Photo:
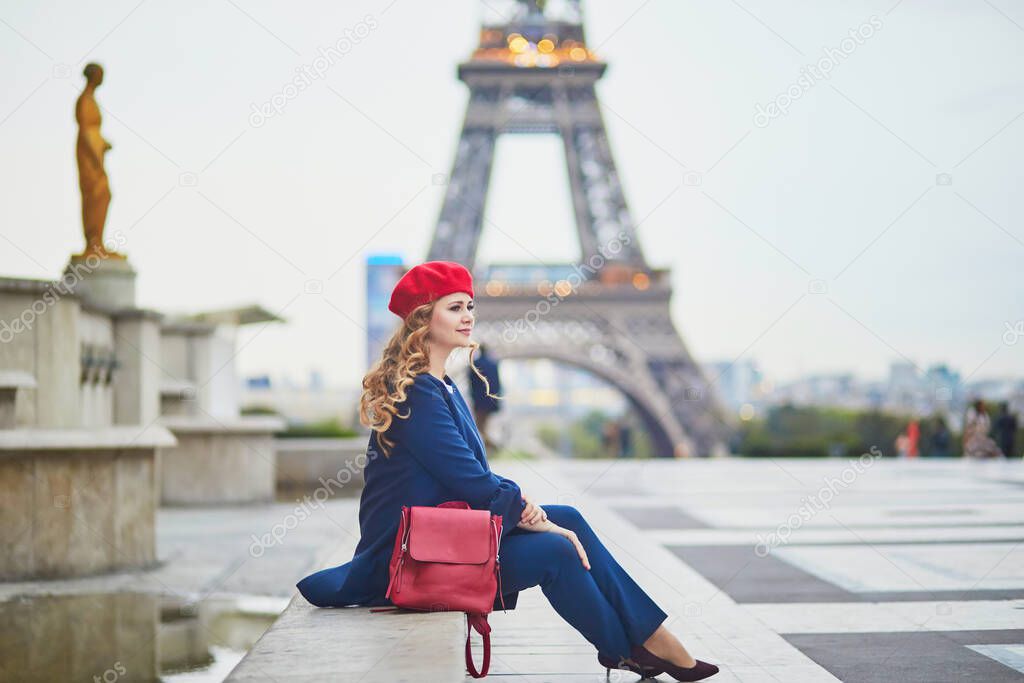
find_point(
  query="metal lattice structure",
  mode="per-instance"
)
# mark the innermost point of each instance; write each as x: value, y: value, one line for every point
x: 532, y: 73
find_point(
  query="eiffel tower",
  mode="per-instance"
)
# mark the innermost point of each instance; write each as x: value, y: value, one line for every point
x: 532, y: 73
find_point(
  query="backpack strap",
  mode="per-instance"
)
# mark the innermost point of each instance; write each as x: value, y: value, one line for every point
x: 479, y: 623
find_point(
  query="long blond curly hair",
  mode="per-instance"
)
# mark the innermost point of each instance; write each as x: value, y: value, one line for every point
x: 405, y: 355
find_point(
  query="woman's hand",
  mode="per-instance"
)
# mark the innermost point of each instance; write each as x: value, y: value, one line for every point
x: 548, y: 525
x: 532, y: 513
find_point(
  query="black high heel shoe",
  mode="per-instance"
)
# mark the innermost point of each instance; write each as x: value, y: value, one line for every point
x: 698, y: 672
x: 628, y: 665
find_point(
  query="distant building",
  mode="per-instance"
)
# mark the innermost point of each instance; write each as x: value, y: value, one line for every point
x: 906, y: 390
x: 546, y: 388
x: 532, y: 273
x: 383, y: 271
x: 257, y: 382
x: 943, y: 385
x: 841, y: 390
x: 906, y: 386
x: 738, y: 382
x: 313, y: 402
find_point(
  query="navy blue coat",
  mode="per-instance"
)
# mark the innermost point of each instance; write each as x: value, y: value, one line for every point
x: 438, y: 456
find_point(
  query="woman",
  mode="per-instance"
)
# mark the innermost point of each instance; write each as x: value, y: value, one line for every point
x: 424, y: 449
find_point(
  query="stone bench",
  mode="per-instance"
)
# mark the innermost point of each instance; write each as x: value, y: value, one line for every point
x: 349, y: 644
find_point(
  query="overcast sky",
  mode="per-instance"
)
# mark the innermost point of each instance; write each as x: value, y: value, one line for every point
x: 840, y: 191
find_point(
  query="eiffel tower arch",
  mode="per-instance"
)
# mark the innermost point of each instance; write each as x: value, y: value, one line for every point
x: 609, y: 314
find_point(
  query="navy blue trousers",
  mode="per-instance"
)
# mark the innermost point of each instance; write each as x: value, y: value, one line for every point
x: 604, y: 604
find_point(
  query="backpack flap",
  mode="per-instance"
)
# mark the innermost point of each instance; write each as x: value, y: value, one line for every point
x: 450, y: 535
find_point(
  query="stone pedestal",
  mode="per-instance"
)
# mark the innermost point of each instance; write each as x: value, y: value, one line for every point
x: 76, y: 502
x: 219, y: 461
x: 108, y: 282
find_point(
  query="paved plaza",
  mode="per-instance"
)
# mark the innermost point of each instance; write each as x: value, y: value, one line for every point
x: 798, y: 571
x: 776, y: 570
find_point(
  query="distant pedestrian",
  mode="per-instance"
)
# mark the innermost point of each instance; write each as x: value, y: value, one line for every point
x: 483, y: 405
x: 625, y: 439
x: 610, y: 438
x: 913, y: 437
x: 902, y: 445
x: 977, y: 442
x: 1006, y: 430
x: 941, y: 441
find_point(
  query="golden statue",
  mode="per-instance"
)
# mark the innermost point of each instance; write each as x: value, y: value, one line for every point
x: 92, y: 178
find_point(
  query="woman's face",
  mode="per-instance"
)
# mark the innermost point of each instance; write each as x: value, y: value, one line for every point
x: 452, y: 320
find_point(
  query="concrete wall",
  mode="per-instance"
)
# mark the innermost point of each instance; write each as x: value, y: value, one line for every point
x: 309, y: 463
x: 39, y: 334
x: 71, y: 512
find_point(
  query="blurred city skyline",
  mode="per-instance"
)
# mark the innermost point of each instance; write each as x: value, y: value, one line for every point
x: 877, y: 222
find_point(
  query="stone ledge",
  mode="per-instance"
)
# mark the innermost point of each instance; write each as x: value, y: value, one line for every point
x: 17, y: 379
x: 317, y: 443
x: 128, y: 437
x: 176, y: 387
x: 349, y: 644
x: 18, y: 285
x: 255, y: 424
x: 309, y: 644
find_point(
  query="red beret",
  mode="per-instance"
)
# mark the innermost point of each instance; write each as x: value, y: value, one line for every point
x: 426, y: 282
